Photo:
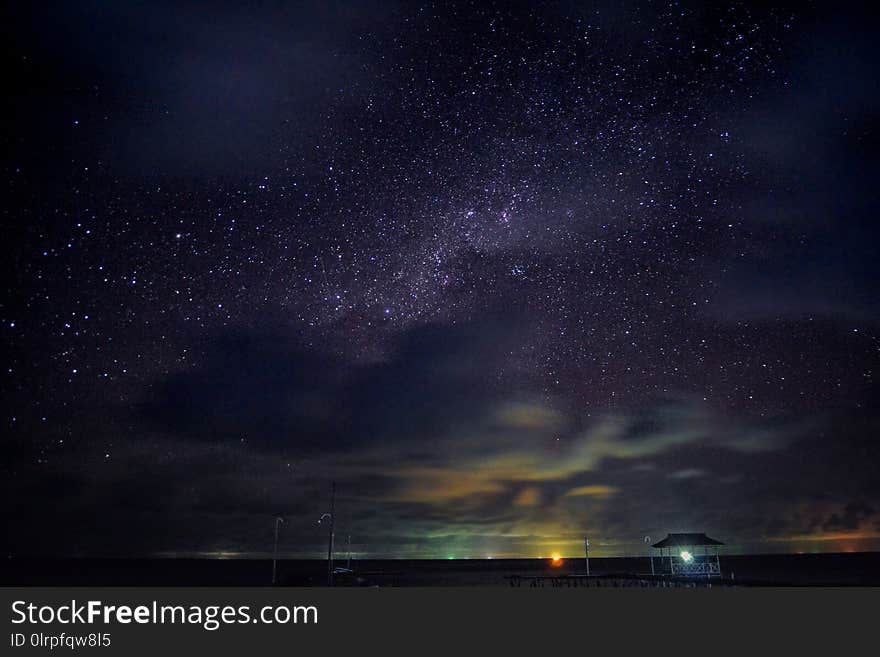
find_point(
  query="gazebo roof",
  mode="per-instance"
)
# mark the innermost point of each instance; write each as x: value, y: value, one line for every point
x: 686, y: 540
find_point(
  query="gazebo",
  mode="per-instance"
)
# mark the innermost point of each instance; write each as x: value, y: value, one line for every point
x: 685, y: 558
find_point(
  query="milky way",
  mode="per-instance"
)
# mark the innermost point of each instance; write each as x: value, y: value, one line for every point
x: 506, y: 273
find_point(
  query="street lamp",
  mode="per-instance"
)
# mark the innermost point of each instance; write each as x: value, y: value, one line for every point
x: 278, y: 522
x: 331, y: 518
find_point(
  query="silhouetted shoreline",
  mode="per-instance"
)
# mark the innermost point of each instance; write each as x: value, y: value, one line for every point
x: 855, y: 569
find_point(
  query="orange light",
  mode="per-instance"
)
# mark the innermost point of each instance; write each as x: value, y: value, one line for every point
x: 556, y: 559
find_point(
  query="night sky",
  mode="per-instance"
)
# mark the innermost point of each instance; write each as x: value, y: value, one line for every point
x: 509, y: 274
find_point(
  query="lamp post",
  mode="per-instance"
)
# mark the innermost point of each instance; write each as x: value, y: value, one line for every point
x: 587, y: 555
x: 278, y: 521
x: 331, y: 517
x: 650, y: 554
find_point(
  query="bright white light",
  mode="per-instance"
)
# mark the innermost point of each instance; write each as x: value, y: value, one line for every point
x: 686, y: 556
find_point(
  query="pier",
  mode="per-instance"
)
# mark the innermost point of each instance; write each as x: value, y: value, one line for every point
x: 617, y: 580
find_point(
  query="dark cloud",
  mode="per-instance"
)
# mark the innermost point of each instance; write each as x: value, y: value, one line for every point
x: 851, y: 518
x: 259, y: 388
x: 266, y: 389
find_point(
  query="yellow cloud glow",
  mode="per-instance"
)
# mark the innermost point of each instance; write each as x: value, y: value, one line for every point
x: 528, y: 497
x: 595, y: 490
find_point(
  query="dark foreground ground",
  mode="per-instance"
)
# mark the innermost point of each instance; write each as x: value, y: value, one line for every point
x: 859, y: 569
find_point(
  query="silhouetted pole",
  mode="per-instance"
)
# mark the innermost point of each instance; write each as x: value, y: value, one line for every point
x: 650, y: 554
x: 587, y: 554
x: 330, y: 541
x: 278, y: 522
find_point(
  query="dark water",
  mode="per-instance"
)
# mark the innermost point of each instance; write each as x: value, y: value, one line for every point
x: 859, y: 569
